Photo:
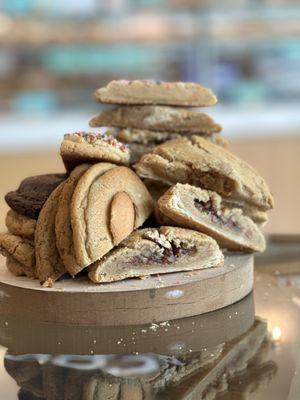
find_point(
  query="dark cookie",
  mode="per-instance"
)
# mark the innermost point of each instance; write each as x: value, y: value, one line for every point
x: 32, y: 193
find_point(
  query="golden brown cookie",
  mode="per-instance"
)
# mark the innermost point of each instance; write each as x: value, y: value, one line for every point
x: 88, y: 147
x: 18, y: 269
x: 156, y: 92
x: 194, y: 208
x: 63, y: 227
x: 201, y: 163
x: 158, y: 118
x: 157, y: 250
x: 49, y: 265
x: 19, y: 248
x: 95, y: 208
x: 20, y: 225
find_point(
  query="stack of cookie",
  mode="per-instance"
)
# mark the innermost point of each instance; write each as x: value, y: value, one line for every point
x: 205, y: 198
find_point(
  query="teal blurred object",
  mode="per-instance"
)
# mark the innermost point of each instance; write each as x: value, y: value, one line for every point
x: 248, y: 91
x: 99, y: 59
x: 35, y: 101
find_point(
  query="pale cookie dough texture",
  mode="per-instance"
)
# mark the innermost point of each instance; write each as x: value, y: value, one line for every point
x: 194, y: 208
x: 22, y: 250
x: 87, y: 147
x: 97, y: 205
x: 157, y: 251
x: 63, y: 227
x: 156, y: 92
x: 49, y: 266
x: 20, y: 225
x: 201, y: 163
x: 157, y: 118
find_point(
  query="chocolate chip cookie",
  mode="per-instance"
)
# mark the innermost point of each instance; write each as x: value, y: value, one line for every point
x: 156, y: 92
x: 201, y: 163
x: 194, y: 208
x: 105, y: 208
x: 32, y: 193
x: 19, y: 225
x: 87, y: 147
x: 157, y: 250
x: 158, y: 118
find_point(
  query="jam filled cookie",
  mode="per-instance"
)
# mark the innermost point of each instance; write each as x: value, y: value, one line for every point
x: 105, y: 209
x: 32, y: 193
x: 202, y: 210
x: 201, y: 163
x: 19, y: 225
x: 49, y: 265
x: 156, y: 92
x: 85, y: 147
x: 157, y: 251
x: 156, y: 118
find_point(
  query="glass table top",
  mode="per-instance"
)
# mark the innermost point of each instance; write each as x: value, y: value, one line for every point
x: 249, y: 350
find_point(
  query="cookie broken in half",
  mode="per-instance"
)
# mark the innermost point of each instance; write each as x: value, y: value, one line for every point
x: 202, y: 210
x: 157, y: 250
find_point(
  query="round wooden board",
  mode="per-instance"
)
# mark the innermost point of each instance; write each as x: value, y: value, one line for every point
x: 157, y: 298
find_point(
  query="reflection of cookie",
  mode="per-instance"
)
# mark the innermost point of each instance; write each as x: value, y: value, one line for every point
x: 202, y: 210
x: 96, y: 205
x: 156, y: 92
x: 20, y: 225
x: 19, y: 248
x: 63, y: 228
x: 18, y: 269
x: 49, y: 266
x: 157, y: 250
x: 32, y: 193
x: 201, y: 163
x: 157, y: 118
x: 82, y: 147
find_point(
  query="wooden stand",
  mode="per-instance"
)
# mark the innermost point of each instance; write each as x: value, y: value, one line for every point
x: 131, y: 302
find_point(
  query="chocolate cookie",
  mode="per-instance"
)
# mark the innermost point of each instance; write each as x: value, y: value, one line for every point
x: 19, y: 248
x: 156, y: 92
x: 32, y: 193
x: 63, y: 227
x: 20, y: 225
x: 49, y: 266
x: 87, y: 147
x: 105, y: 208
x: 202, y: 210
x: 157, y: 251
x: 201, y: 163
x: 157, y: 118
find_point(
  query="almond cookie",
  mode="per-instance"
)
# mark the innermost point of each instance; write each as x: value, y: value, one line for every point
x: 18, y: 269
x: 63, y: 227
x: 105, y: 209
x: 202, y: 210
x: 87, y: 147
x: 49, y: 266
x: 157, y: 251
x: 20, y: 225
x: 19, y: 248
x: 32, y: 193
x: 201, y: 163
x: 157, y: 118
x: 156, y: 92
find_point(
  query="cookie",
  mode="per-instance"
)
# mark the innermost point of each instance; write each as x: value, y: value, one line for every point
x: 156, y: 92
x: 18, y: 269
x: 157, y: 251
x: 258, y: 216
x: 194, y: 208
x: 19, y: 248
x: 63, y: 227
x: 87, y: 147
x: 49, y: 265
x: 157, y: 118
x: 32, y: 193
x: 19, y: 225
x: 100, y: 217
x: 201, y: 163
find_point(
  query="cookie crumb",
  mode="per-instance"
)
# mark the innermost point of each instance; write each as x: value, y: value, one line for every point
x: 48, y: 283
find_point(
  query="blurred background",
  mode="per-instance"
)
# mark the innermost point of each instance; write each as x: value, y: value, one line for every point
x: 54, y: 54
